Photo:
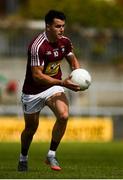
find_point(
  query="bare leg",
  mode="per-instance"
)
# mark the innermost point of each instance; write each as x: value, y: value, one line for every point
x: 31, y: 124
x: 59, y: 105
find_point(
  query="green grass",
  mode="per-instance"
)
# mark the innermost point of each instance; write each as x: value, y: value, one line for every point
x: 78, y: 161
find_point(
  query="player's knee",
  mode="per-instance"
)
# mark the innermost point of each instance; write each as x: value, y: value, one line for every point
x: 63, y: 117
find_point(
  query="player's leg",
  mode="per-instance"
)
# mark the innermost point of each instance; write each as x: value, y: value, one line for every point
x: 59, y: 105
x: 31, y: 125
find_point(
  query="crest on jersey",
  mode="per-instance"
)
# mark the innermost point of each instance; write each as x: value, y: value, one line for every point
x: 48, y: 53
x: 63, y: 50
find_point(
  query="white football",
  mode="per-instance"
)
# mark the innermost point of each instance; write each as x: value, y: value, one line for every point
x: 81, y: 77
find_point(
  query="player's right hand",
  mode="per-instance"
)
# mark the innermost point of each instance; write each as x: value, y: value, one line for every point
x: 70, y: 85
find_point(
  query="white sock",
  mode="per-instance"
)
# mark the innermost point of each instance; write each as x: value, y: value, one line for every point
x: 51, y: 153
x: 23, y: 158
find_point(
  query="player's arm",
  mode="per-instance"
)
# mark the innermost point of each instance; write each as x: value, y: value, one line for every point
x: 74, y: 64
x: 41, y: 78
x: 73, y: 61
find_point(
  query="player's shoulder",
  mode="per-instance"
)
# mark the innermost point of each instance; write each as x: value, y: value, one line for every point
x: 38, y: 40
x: 66, y: 39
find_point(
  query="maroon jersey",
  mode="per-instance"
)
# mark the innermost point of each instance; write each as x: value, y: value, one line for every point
x: 41, y: 52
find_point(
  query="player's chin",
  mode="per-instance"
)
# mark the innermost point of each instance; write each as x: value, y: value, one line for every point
x: 59, y: 36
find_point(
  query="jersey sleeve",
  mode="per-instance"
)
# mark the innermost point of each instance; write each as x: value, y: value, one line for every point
x: 35, y: 56
x: 69, y: 47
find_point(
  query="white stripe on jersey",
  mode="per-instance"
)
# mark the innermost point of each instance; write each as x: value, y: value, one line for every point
x: 34, y: 54
x: 34, y: 51
x: 70, y: 53
x: 35, y: 48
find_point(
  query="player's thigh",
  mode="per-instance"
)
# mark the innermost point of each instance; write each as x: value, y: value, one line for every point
x: 31, y: 120
x: 58, y: 103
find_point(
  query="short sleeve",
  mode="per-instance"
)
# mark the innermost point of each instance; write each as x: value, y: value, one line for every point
x: 35, y: 58
x: 69, y: 47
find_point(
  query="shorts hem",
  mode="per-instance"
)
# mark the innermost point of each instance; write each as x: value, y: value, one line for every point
x: 30, y: 112
x: 53, y: 94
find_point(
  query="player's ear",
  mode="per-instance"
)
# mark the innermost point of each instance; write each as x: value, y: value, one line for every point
x: 48, y: 27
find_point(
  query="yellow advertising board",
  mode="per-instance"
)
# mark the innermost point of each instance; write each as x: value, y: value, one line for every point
x: 90, y: 129
x: 79, y: 129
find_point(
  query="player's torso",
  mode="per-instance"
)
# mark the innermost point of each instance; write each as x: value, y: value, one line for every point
x: 53, y: 55
x: 49, y: 55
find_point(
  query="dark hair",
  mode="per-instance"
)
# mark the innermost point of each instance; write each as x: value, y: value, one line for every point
x: 54, y: 14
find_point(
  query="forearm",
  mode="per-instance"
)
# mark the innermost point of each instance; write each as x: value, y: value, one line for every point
x: 73, y: 62
x: 46, y: 80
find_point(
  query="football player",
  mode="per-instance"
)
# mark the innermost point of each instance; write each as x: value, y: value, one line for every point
x: 43, y: 85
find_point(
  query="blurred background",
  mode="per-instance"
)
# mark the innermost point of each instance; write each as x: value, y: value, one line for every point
x: 96, y: 30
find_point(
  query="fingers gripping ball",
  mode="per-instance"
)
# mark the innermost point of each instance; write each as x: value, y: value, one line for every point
x: 81, y: 77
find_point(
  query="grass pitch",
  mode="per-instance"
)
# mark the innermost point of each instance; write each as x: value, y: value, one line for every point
x: 78, y: 161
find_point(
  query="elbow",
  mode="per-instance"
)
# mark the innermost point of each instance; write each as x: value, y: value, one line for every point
x: 35, y: 77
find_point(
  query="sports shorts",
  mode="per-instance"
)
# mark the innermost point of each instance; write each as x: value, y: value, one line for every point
x: 35, y: 103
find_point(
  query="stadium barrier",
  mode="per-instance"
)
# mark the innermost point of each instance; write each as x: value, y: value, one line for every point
x: 85, y: 129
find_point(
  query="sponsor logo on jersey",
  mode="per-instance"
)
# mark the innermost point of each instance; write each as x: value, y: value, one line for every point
x: 52, y: 68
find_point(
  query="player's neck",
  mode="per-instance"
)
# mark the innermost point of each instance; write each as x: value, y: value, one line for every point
x: 50, y: 38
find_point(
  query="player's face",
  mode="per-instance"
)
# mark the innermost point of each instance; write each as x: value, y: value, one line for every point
x: 56, y: 29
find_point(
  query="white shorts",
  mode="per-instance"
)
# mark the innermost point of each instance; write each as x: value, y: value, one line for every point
x: 35, y: 103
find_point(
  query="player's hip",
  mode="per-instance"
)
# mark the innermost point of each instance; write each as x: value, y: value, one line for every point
x: 35, y: 102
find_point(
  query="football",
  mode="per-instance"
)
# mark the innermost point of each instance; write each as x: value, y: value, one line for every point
x: 81, y: 77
